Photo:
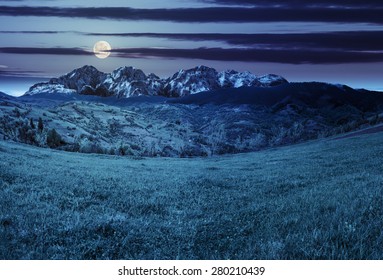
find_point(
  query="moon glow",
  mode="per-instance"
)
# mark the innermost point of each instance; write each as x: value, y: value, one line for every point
x: 102, y: 49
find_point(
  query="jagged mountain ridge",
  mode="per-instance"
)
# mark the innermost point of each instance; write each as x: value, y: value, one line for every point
x: 127, y: 82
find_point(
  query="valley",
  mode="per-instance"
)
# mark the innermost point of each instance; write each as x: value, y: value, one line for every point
x: 202, y: 165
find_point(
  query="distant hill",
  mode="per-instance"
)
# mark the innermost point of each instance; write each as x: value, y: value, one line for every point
x: 210, y: 123
x: 203, y: 112
x: 4, y: 95
x: 314, y: 94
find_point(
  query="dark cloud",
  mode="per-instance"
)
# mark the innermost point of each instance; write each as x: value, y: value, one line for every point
x: 346, y: 40
x: 54, y: 51
x: 290, y: 56
x: 211, y: 14
x: 357, y: 41
x: 281, y: 55
x: 298, y: 3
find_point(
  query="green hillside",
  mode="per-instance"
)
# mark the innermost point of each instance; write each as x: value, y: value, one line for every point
x: 318, y: 200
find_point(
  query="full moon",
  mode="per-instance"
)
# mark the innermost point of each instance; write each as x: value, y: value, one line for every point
x: 102, y: 49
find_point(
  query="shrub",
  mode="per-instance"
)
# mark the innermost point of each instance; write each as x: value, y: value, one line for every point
x: 73, y: 147
x: 53, y: 139
x: 26, y: 135
x: 16, y: 112
x: 91, y: 148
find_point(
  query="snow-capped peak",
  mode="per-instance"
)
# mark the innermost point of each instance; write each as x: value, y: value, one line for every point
x: 129, y: 81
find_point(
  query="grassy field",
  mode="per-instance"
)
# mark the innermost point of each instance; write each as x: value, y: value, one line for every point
x: 319, y: 200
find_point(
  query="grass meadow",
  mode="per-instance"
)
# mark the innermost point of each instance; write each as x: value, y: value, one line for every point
x: 318, y: 200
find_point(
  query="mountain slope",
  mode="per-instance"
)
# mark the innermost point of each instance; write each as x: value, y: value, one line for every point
x: 203, y: 124
x: 5, y: 96
x: 318, y: 200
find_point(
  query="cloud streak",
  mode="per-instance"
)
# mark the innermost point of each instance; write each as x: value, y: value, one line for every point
x: 347, y: 41
x: 47, y: 51
x: 18, y: 73
x: 32, y: 32
x: 211, y: 14
x: 298, y: 3
x: 289, y: 56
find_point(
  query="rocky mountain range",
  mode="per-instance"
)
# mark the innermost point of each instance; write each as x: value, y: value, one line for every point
x: 127, y: 82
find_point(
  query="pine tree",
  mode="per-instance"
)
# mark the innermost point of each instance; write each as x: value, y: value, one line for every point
x: 40, y: 125
x: 31, y: 123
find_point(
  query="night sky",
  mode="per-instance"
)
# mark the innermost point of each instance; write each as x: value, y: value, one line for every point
x: 330, y: 41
